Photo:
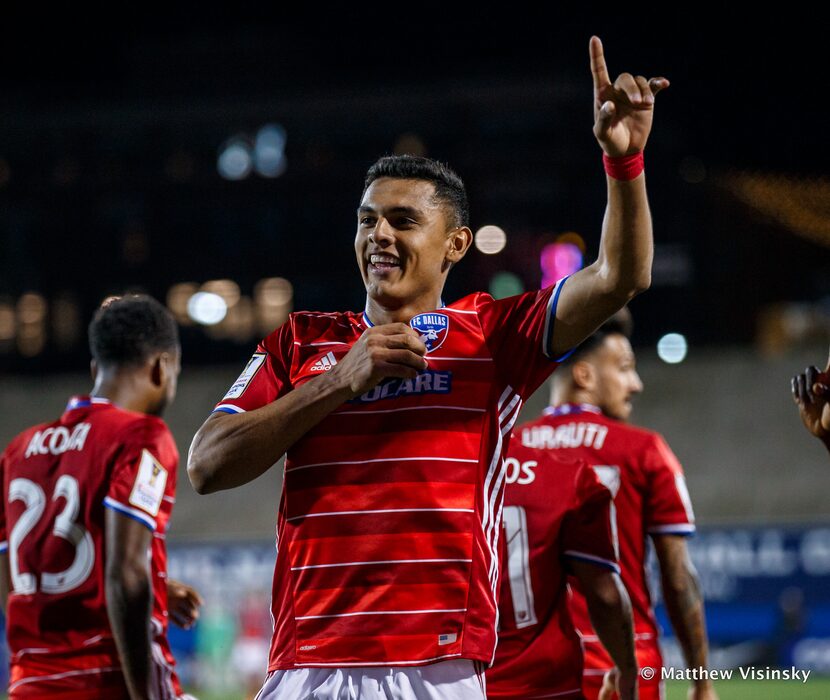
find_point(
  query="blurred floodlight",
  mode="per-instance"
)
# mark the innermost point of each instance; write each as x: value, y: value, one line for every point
x: 269, y: 151
x: 672, y: 348
x: 227, y: 289
x: 207, y: 308
x: 490, y: 239
x: 273, y: 291
x: 559, y: 260
x: 7, y: 321
x: 177, y: 297
x: 66, y: 321
x: 235, y: 160
x: 31, y: 308
x: 505, y: 284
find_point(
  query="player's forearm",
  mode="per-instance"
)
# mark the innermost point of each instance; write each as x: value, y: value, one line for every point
x: 684, y: 605
x: 231, y: 450
x: 129, y: 606
x: 610, y: 610
x: 626, y: 247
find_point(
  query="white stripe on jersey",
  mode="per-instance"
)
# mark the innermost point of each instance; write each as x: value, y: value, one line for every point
x: 65, y: 674
x: 385, y: 459
x: 386, y: 510
x: 385, y: 561
x: 410, y: 408
x: 381, y: 612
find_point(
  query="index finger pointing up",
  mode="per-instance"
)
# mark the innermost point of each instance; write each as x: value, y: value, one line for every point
x: 598, y: 68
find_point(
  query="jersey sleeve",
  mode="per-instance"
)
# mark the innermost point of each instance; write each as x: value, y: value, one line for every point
x: 589, y: 531
x: 143, y: 473
x: 266, y: 377
x: 668, y: 508
x: 519, y: 333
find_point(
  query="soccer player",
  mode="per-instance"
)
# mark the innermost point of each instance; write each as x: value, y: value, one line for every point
x: 87, y: 500
x: 811, y: 393
x: 395, y: 421
x: 590, y: 402
x: 557, y: 519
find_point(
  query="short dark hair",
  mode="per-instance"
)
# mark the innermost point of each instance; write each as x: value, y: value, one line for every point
x: 619, y: 324
x: 449, y: 188
x: 126, y: 330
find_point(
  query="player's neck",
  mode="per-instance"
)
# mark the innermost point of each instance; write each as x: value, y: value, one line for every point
x: 575, y: 397
x: 380, y: 313
x: 121, y: 389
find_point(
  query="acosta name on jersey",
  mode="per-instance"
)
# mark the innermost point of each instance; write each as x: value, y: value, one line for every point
x: 58, y: 440
x: 428, y: 382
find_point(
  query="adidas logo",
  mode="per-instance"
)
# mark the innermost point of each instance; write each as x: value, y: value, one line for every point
x: 325, y: 363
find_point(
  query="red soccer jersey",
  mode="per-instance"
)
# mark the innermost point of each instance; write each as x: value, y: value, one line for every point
x: 554, y: 509
x: 57, y: 479
x: 388, y: 524
x: 650, y: 497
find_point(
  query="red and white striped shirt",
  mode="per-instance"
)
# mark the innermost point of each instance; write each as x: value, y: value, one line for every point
x: 390, y: 514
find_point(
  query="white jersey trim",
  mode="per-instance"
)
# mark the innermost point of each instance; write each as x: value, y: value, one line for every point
x: 130, y: 512
x: 4, y: 546
x: 228, y: 407
x: 65, y: 674
x: 381, y: 612
x: 383, y: 561
x: 574, y: 554
x: 383, y: 510
x: 384, y: 459
x: 676, y: 529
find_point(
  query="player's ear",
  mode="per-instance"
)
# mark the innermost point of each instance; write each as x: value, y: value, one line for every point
x: 158, y: 369
x: 458, y: 243
x: 584, y: 375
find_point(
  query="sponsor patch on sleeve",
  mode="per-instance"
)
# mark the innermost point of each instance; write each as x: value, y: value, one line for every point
x: 247, y: 375
x: 148, y: 489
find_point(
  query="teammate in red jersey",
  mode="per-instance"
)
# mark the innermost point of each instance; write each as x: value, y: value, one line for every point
x: 557, y: 519
x: 87, y: 501
x: 590, y: 401
x: 395, y: 421
x: 811, y: 393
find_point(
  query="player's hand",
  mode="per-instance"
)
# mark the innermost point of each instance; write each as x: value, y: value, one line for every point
x: 618, y: 686
x: 390, y: 350
x: 811, y: 393
x: 183, y: 604
x: 623, y: 110
x: 702, y: 692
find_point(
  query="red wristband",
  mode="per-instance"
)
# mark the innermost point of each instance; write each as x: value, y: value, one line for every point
x: 624, y: 167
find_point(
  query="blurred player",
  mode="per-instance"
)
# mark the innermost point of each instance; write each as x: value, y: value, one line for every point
x: 557, y: 518
x: 590, y: 401
x: 396, y: 419
x: 87, y: 500
x: 811, y: 393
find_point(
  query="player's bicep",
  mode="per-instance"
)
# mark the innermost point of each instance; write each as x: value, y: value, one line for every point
x: 128, y: 541
x: 582, y: 307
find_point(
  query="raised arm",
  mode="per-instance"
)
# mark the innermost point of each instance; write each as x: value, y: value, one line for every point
x: 684, y: 604
x: 811, y: 393
x: 129, y: 594
x: 610, y: 609
x: 623, y: 113
x: 232, y: 449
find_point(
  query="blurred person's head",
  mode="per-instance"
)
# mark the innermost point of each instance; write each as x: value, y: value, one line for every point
x: 136, y: 356
x: 601, y: 371
x: 412, y: 226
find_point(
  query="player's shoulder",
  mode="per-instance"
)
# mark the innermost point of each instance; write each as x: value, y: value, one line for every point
x: 302, y: 325
x: 128, y: 426
x: 24, y: 437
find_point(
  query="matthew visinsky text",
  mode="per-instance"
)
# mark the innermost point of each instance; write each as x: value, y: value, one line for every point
x: 748, y: 673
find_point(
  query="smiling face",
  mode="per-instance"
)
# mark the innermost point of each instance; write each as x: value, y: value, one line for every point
x: 405, y: 243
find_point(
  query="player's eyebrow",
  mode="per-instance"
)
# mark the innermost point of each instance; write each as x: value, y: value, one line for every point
x: 406, y: 211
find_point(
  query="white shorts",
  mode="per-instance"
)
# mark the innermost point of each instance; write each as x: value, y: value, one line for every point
x: 460, y: 679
